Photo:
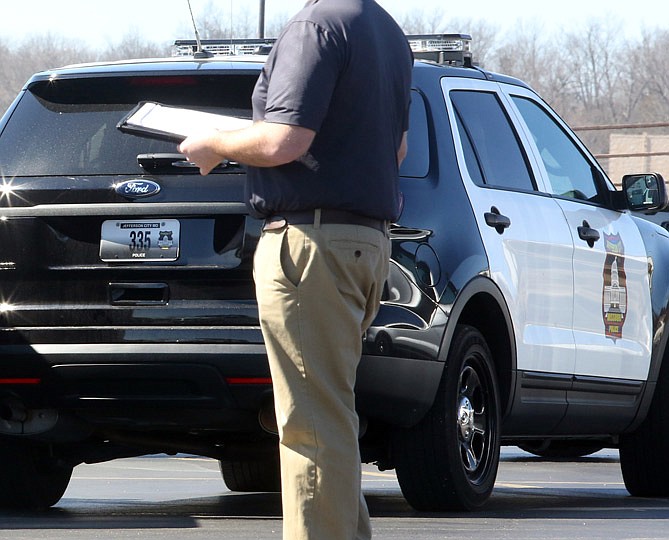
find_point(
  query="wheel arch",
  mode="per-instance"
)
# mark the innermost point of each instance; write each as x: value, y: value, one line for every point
x: 657, y: 249
x: 481, y: 304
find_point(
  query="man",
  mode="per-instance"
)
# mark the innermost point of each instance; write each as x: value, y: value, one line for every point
x: 330, y: 119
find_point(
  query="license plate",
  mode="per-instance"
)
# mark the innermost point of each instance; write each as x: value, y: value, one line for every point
x: 140, y: 240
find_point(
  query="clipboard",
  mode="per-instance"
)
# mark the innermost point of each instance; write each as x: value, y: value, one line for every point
x: 168, y: 123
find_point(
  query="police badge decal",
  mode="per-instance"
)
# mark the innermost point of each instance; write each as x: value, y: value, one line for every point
x: 614, y: 291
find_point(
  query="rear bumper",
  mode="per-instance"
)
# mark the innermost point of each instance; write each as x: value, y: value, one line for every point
x: 170, y: 376
x: 190, y: 385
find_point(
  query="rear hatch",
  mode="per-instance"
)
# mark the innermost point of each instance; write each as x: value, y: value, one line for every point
x: 111, y: 238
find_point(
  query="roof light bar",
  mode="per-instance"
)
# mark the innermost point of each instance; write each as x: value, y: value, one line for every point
x: 223, y: 47
x: 452, y: 49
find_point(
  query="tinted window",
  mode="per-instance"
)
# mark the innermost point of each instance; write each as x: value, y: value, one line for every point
x: 493, y: 153
x: 472, y: 161
x: 417, y: 162
x: 570, y: 173
x: 68, y: 127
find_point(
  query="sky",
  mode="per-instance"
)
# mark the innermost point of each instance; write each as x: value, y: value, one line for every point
x: 163, y: 21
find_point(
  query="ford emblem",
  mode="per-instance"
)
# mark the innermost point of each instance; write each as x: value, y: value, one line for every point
x: 136, y: 189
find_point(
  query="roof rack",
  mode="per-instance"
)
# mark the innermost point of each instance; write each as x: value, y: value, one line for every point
x: 449, y: 49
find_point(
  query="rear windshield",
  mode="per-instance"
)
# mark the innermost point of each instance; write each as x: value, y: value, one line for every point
x: 68, y: 127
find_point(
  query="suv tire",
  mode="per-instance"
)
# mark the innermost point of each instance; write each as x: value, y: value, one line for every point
x: 252, y: 475
x: 449, y: 460
x: 31, y: 479
x: 643, y: 454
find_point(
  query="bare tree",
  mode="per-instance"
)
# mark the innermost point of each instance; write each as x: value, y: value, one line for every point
x: 532, y: 55
x: 420, y: 21
x: 649, y: 64
x: 213, y: 23
x: 37, y: 53
x: 48, y: 51
x: 484, y: 37
x: 593, y: 54
x: 8, y: 87
x: 275, y: 26
x: 133, y: 45
x: 589, y: 75
x: 636, y: 91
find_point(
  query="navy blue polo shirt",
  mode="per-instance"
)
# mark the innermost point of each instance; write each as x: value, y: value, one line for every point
x: 343, y: 69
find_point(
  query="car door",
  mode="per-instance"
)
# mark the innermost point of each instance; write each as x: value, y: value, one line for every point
x: 612, y: 306
x: 526, y: 237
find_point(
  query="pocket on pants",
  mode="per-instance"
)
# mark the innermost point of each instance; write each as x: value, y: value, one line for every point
x: 355, y: 248
x: 349, y: 254
x: 293, y: 256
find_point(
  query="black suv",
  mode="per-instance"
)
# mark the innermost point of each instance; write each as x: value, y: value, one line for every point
x: 525, y: 304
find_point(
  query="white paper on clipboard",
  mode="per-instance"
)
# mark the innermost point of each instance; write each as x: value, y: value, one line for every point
x: 154, y: 120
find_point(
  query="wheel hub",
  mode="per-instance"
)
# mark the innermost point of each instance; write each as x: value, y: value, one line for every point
x: 466, y: 418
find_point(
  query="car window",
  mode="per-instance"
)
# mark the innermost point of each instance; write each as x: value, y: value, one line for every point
x: 417, y: 162
x: 68, y: 127
x: 493, y: 153
x: 570, y: 173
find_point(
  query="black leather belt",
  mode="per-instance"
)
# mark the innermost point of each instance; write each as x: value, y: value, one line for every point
x: 339, y: 217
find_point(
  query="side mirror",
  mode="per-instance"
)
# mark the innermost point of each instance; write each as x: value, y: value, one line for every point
x: 645, y: 192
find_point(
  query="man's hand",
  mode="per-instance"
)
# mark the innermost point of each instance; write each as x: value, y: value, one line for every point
x: 264, y: 144
x: 201, y: 150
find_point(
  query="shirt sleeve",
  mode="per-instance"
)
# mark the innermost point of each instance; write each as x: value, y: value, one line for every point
x: 304, y: 73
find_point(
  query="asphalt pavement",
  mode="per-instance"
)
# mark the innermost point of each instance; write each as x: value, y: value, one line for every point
x: 183, y: 497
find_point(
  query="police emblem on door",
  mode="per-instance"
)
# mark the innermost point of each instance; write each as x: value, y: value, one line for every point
x: 614, y: 293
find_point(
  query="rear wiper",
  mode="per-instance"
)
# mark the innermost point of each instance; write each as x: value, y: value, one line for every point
x: 155, y: 162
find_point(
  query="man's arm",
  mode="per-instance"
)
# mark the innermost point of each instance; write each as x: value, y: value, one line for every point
x: 403, y: 149
x: 263, y: 144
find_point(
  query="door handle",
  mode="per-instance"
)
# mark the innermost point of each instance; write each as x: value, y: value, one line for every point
x: 497, y: 220
x: 590, y: 235
x: 407, y: 233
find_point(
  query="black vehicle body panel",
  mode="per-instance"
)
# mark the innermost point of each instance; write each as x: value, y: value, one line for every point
x: 434, y: 256
x: 175, y: 347
x: 171, y: 347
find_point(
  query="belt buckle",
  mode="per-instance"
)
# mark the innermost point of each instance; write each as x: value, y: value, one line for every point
x: 274, y: 223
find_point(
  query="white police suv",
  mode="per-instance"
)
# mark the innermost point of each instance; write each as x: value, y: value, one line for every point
x: 525, y: 304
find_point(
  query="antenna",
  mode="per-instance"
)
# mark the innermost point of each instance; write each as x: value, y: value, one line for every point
x: 261, y: 20
x: 199, y: 51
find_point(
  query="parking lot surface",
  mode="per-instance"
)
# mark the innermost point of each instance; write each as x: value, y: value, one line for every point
x: 179, y: 497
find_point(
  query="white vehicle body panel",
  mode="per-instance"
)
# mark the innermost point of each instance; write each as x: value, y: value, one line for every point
x: 552, y: 280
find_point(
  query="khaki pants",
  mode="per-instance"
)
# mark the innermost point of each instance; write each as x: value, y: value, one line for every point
x: 318, y: 289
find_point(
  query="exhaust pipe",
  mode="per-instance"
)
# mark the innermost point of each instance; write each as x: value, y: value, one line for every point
x: 13, y: 410
x: 267, y: 418
x: 17, y: 419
